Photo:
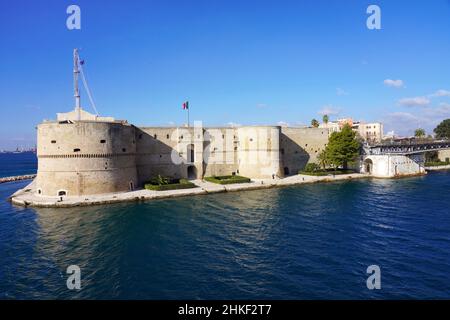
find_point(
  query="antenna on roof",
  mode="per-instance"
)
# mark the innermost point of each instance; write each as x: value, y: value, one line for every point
x: 75, y: 83
x: 77, y: 69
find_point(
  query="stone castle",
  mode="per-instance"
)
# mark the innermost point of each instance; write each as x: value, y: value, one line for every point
x: 83, y: 154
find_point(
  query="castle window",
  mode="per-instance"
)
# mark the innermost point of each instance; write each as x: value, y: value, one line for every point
x: 282, y: 151
x: 39, y: 191
x: 167, y: 136
x: 124, y: 150
x: 223, y: 136
x: 62, y: 193
x: 53, y: 141
x: 181, y: 137
x: 251, y: 139
x: 140, y: 136
x: 76, y: 150
x: 102, y: 141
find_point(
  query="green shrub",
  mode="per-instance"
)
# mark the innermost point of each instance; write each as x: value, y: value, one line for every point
x: 311, y: 167
x: 227, y: 179
x: 436, y: 164
x: 161, y: 184
x: 320, y: 173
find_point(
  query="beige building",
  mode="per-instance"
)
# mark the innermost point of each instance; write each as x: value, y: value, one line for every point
x: 369, y: 132
x: 82, y: 154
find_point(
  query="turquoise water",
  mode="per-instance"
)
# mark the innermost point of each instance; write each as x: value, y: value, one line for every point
x: 305, y: 242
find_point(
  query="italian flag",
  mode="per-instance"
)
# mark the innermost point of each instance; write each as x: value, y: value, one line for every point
x: 186, y: 105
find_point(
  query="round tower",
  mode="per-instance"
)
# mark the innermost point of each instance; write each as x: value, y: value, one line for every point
x: 78, y: 158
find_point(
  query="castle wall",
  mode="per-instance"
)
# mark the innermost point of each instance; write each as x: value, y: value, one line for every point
x: 259, y: 152
x: 85, y: 158
x: 299, y: 146
x: 164, y: 151
x: 92, y: 157
x: 220, y: 152
x: 444, y: 155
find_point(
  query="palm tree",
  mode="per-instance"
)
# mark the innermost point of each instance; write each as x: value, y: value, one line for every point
x: 419, y: 133
x: 325, y: 118
x: 314, y: 123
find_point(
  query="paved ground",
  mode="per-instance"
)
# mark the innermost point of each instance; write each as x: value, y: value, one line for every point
x: 28, y: 196
x: 435, y: 168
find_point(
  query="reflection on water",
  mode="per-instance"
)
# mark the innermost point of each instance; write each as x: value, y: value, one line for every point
x: 311, y: 241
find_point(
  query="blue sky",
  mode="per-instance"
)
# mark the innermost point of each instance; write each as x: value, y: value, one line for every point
x: 246, y: 62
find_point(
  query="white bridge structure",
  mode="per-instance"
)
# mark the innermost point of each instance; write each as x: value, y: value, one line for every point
x: 394, y: 159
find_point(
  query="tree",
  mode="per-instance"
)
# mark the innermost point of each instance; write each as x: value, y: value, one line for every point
x: 322, y: 159
x: 314, y: 123
x: 325, y: 118
x: 442, y: 131
x: 419, y: 133
x: 342, y: 148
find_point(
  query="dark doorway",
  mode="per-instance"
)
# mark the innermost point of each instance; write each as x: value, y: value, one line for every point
x: 368, y: 166
x: 286, y: 171
x: 131, y: 186
x: 192, y: 172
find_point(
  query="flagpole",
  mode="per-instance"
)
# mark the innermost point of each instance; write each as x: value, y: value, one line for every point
x: 188, y: 116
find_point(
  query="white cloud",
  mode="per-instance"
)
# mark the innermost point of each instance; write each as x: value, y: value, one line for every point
x: 282, y: 124
x: 414, y: 102
x: 261, y: 105
x: 406, y: 122
x: 441, y: 93
x: 394, y: 83
x: 329, y: 110
x: 341, y: 92
x: 233, y: 124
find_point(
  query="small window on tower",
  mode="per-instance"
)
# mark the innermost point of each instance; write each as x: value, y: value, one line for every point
x: 124, y: 150
x: 76, y: 150
x: 102, y: 141
x: 53, y: 141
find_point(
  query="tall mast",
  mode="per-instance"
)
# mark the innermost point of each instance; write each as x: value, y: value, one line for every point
x: 76, y: 72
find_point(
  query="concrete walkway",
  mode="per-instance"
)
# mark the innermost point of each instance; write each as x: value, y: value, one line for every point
x: 436, y: 168
x: 17, y: 178
x: 28, y: 196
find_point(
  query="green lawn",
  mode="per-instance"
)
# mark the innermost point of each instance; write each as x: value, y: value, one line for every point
x: 169, y: 184
x: 227, y: 179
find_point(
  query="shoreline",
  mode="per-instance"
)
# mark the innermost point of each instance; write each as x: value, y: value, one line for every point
x: 17, y: 178
x: 27, y: 196
x: 437, y: 168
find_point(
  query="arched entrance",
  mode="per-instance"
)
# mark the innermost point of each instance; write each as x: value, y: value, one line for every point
x: 192, y: 172
x: 286, y: 171
x: 368, y: 166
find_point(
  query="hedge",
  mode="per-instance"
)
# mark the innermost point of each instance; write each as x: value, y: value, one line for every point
x: 436, y: 164
x: 227, y: 179
x: 321, y: 173
x: 172, y: 184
